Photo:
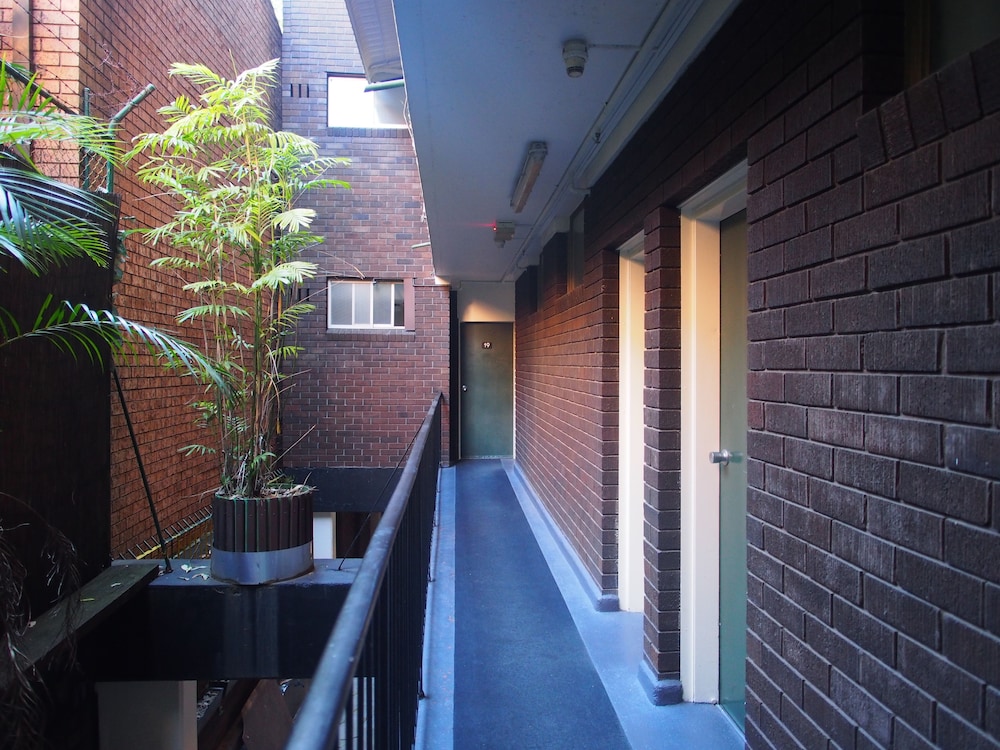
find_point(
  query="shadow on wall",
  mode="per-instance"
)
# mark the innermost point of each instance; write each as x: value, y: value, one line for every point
x: 354, y: 497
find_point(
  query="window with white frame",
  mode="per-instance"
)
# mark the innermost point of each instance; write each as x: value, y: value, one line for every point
x: 354, y: 303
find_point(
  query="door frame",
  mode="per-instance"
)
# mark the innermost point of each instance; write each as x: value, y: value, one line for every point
x: 699, y: 625
x: 631, y: 424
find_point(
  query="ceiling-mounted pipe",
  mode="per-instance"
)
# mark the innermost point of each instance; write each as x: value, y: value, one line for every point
x: 396, y: 83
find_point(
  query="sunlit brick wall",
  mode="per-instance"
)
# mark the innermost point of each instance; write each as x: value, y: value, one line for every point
x: 125, y: 46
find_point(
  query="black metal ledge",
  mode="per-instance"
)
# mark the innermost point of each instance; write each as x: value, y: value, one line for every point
x: 188, y: 626
x: 83, y: 611
x: 348, y: 490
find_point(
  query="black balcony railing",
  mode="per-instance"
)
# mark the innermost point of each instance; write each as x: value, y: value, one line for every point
x: 367, y: 684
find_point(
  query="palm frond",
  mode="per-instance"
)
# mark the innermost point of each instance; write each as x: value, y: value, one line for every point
x: 70, y: 328
x: 211, y: 311
x: 294, y: 219
x: 291, y: 315
x: 180, y: 264
x: 197, y: 450
x: 199, y: 74
x: 27, y: 115
x: 75, y: 328
x: 205, y: 286
x: 44, y: 223
x: 286, y: 274
x: 285, y: 352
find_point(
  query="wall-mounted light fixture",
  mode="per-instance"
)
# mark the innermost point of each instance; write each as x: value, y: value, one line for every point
x: 502, y: 231
x: 529, y: 173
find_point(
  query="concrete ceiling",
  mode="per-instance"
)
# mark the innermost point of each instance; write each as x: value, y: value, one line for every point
x: 484, y: 80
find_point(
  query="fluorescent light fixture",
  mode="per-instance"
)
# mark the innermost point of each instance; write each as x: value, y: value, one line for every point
x: 502, y: 231
x: 529, y: 173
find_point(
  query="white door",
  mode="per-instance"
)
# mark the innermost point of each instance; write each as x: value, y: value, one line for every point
x: 631, y: 337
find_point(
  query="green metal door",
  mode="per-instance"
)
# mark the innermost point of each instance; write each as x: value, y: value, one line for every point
x: 487, y: 397
x: 733, y: 475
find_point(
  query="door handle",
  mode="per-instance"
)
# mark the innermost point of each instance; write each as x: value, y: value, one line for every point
x: 720, y: 457
x: 465, y: 388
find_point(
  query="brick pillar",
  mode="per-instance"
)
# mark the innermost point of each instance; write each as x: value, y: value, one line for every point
x: 662, y: 402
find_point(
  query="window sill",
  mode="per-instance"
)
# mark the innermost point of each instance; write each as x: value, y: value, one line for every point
x: 369, y: 333
x: 342, y: 131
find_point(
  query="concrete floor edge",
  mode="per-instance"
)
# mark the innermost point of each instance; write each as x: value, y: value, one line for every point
x: 436, y: 710
x: 613, y: 641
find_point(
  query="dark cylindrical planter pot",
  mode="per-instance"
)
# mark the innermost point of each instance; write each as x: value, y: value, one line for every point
x: 262, y: 539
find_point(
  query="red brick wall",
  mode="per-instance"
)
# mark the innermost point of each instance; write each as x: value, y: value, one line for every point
x: 227, y: 37
x: 363, y: 394
x: 124, y: 46
x: 566, y: 400
x: 52, y: 51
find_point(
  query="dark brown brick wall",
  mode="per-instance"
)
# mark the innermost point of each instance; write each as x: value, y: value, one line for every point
x: 362, y: 395
x: 873, y: 562
x: 873, y: 502
x: 697, y: 134
x: 662, y: 409
x: 115, y: 49
x: 566, y: 375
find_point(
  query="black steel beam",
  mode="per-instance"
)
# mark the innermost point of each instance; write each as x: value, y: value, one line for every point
x: 348, y: 490
x: 188, y: 626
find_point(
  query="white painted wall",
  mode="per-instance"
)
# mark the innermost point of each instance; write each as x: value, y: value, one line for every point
x: 323, y: 535
x: 486, y: 302
x: 631, y: 443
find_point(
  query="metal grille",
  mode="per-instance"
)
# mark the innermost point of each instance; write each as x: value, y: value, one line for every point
x: 190, y: 538
x: 114, y: 89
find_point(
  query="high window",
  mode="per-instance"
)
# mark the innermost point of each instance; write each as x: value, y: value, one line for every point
x: 365, y: 304
x: 352, y: 104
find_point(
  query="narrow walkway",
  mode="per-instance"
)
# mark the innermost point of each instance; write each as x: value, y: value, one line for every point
x: 517, y: 656
x: 522, y: 675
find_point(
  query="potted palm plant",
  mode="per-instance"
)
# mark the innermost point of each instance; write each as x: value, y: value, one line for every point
x: 236, y: 237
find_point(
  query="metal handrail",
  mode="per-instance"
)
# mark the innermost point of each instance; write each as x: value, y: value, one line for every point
x: 318, y: 722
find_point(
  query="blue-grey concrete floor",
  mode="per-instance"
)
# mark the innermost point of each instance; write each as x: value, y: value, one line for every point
x: 613, y: 640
